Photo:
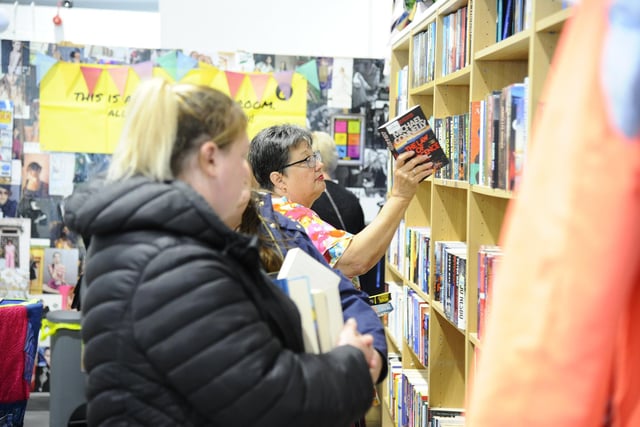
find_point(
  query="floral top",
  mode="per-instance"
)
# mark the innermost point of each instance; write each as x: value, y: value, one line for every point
x: 330, y: 241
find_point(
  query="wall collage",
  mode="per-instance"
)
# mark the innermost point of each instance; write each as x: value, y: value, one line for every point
x: 40, y: 164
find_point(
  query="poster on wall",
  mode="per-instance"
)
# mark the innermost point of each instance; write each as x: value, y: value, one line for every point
x: 15, y: 234
x: 94, y: 99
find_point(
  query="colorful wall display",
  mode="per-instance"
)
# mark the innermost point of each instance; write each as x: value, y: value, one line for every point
x: 348, y: 132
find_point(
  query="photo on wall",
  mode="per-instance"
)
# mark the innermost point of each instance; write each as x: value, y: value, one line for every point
x: 36, y: 269
x: 14, y: 257
x: 15, y: 56
x: 60, y: 270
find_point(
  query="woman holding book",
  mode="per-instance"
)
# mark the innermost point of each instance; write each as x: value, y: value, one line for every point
x: 180, y: 324
x: 283, y: 163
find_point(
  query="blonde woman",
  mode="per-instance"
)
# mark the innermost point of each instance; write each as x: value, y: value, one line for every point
x: 181, y: 326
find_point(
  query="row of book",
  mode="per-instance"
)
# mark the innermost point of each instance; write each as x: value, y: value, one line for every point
x: 512, y: 16
x: 409, y: 321
x: 424, y: 56
x: 485, y: 147
x: 456, y: 39
x: 408, y: 398
x: 498, y: 135
x: 402, y: 90
x: 409, y: 254
x: 450, y: 280
x: 489, y: 257
x: 453, y: 134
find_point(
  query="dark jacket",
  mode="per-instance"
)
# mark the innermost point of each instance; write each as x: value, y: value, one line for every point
x: 289, y: 234
x: 182, y: 328
x: 9, y: 209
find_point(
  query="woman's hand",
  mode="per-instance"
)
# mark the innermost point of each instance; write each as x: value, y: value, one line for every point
x: 350, y: 336
x: 409, y: 171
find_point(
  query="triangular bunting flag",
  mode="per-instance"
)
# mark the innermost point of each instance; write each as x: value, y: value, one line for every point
x: 184, y: 64
x: 259, y: 83
x: 284, y: 82
x: 144, y: 70
x: 43, y: 64
x: 201, y: 76
x: 120, y: 76
x: 310, y: 72
x: 234, y: 80
x: 169, y: 63
x: 91, y: 76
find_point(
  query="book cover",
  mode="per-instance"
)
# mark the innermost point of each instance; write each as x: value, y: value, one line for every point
x: 410, y: 131
x: 474, y: 143
x: 319, y: 300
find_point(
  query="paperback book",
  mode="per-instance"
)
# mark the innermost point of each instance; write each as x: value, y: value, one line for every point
x: 410, y: 131
x: 313, y: 287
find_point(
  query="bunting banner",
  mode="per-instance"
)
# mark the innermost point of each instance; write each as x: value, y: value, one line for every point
x: 82, y: 107
x: 310, y: 72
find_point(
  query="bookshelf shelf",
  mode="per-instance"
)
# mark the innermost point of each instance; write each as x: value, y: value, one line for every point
x: 425, y: 89
x: 494, y: 192
x: 419, y: 291
x: 473, y: 339
x: 457, y: 78
x: 512, y: 48
x: 451, y: 183
x: 470, y: 215
x: 555, y: 22
x: 394, y: 346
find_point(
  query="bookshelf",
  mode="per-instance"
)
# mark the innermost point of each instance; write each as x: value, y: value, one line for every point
x: 456, y: 210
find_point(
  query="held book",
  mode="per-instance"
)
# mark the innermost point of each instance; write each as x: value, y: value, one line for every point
x: 410, y: 131
x: 314, y: 289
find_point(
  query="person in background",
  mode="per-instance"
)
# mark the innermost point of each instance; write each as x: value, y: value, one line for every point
x: 75, y: 56
x: 57, y: 271
x: 34, y: 186
x: 181, y: 326
x: 15, y: 58
x: 10, y: 254
x: 284, y: 163
x: 337, y: 205
x: 8, y: 207
x: 562, y: 327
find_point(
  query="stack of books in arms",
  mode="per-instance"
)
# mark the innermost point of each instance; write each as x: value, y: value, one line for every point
x: 313, y: 287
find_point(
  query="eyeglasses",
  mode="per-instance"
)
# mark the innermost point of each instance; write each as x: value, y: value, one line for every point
x: 309, y: 161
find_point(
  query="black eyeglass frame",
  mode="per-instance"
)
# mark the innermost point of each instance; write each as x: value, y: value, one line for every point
x: 315, y: 157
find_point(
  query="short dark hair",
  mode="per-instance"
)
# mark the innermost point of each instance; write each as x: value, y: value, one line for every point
x: 270, y: 148
x: 34, y: 166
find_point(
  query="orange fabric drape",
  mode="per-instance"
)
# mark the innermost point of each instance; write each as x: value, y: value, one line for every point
x: 563, y: 335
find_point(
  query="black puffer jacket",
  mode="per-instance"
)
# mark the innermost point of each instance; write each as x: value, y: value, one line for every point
x: 181, y: 327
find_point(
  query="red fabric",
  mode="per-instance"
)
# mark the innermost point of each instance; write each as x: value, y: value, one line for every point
x: 13, y: 331
x: 562, y: 340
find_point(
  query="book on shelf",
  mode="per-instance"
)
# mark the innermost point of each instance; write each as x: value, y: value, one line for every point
x: 313, y: 287
x: 410, y: 131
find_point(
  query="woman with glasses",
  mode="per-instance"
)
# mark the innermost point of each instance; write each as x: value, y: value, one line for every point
x: 284, y: 164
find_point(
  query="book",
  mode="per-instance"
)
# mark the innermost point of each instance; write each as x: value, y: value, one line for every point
x: 313, y: 287
x: 410, y: 131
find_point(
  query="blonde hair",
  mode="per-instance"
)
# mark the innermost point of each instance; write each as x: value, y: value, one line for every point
x: 324, y: 143
x: 166, y: 123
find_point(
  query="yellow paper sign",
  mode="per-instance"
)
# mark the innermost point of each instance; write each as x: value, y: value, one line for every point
x: 75, y: 119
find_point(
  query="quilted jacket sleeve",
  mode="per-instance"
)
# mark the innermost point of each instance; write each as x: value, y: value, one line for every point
x: 213, y: 347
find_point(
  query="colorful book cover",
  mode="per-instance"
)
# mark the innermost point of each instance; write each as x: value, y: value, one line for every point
x: 411, y: 131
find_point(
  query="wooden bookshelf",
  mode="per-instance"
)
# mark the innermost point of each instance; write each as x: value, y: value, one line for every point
x: 456, y: 210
